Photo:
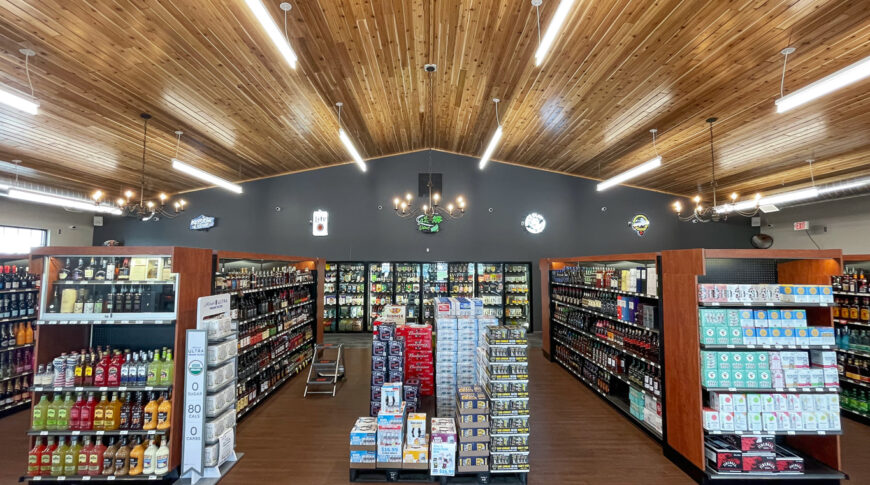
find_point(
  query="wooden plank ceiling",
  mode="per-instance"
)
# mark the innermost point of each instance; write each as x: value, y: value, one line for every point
x: 618, y: 68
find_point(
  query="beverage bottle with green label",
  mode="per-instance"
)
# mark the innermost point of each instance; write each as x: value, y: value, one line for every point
x: 51, y: 413
x: 39, y: 413
x: 57, y: 457
x: 71, y: 457
x: 167, y: 369
x: 63, y: 412
x: 154, y: 369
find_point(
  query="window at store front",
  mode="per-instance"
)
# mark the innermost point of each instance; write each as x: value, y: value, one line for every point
x: 19, y: 240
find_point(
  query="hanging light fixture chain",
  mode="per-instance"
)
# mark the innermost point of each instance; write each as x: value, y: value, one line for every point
x: 497, y: 120
x: 538, y: 13
x: 27, y: 72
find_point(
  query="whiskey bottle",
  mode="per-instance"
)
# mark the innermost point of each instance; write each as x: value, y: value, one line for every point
x: 64, y: 271
x: 100, y: 275
x: 89, y: 270
x: 79, y: 271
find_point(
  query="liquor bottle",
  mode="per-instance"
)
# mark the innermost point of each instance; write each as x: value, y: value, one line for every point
x: 154, y: 370
x: 162, y: 459
x: 124, y: 272
x: 89, y: 270
x: 71, y: 457
x: 122, y: 459
x: 89, y: 303
x: 100, y: 274
x: 137, y: 412
x: 34, y: 458
x: 137, y: 301
x: 63, y: 412
x: 88, y: 412
x: 83, y: 458
x: 164, y: 412
x: 137, y: 455
x: 75, y: 413
x: 57, y: 457
x: 109, y: 457
x: 149, y: 459
x: 118, y: 304
x: 64, y: 272
x: 167, y: 369
x: 149, y: 417
x: 113, y: 377
x: 96, y: 457
x: 142, y: 370
x: 51, y: 413
x: 88, y: 376
x: 112, y: 415
x: 78, y: 273
x: 21, y: 335
x: 99, y: 301
x: 79, y: 305
x: 128, y: 301
x: 45, y: 458
x: 40, y: 412
x: 124, y: 414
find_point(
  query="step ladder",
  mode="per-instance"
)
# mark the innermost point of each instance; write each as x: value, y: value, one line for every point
x: 327, y: 368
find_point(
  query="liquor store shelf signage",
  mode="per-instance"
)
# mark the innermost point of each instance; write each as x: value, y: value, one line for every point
x: 202, y: 223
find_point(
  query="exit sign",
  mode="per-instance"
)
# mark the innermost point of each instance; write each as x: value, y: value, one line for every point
x: 801, y: 225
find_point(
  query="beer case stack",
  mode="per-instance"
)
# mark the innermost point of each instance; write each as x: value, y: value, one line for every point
x: 391, y: 434
x: 472, y: 416
x: 446, y: 347
x: 388, y: 362
x: 363, y: 443
x: 415, y: 455
x: 419, y: 364
x: 503, y: 361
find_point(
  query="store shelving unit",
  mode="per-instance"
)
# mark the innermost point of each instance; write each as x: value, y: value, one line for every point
x: 330, y: 299
x: 380, y: 289
x: 852, y: 349
x: 407, y: 288
x: 435, y: 284
x: 168, y: 280
x: 490, y: 288
x: 618, y: 356
x: 16, y: 359
x: 277, y: 321
x: 685, y: 396
x: 517, y: 294
x: 352, y: 283
x: 460, y: 279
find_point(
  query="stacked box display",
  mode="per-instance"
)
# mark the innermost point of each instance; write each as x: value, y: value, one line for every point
x: 466, y: 351
x: 391, y: 436
x: 446, y: 347
x: 472, y: 416
x: 747, y: 326
x: 769, y: 369
x: 363, y: 443
x: 388, y: 362
x: 416, y: 450
x: 442, y: 447
x: 503, y: 368
x: 419, y: 364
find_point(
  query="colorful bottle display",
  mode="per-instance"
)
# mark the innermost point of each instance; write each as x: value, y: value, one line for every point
x: 111, y: 411
x: 110, y: 368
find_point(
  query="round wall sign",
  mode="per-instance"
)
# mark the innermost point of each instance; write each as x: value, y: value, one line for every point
x: 534, y: 223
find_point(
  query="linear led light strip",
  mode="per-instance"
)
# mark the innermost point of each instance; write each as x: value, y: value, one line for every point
x: 51, y: 199
x: 781, y: 198
x: 272, y: 29
x: 18, y: 102
x: 555, y: 25
x: 636, y: 171
x: 826, y: 85
x: 205, y: 176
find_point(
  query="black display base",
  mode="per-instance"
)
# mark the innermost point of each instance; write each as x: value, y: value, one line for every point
x: 393, y: 475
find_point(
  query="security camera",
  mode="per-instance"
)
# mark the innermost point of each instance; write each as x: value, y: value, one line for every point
x: 430, y: 67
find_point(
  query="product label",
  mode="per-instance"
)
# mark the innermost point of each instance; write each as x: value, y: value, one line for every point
x: 134, y: 462
x: 119, y: 463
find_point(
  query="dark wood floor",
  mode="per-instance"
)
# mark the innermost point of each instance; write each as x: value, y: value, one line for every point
x: 576, y: 437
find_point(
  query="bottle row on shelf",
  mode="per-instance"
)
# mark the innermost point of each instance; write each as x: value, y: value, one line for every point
x: 640, y: 279
x: 641, y: 342
x: 17, y: 305
x: 253, y: 305
x: 852, y: 309
x: 15, y: 391
x: 856, y: 400
x: 112, y: 368
x: 156, y: 268
x: 15, y: 335
x: 621, y: 307
x: 132, y: 411
x: 14, y: 277
x: 16, y: 362
x: 853, y: 281
x: 123, y: 298
x: 642, y: 374
x: 243, y: 279
x: 71, y: 459
x: 853, y: 367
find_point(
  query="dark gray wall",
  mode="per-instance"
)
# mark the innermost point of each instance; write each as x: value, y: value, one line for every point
x: 358, y: 230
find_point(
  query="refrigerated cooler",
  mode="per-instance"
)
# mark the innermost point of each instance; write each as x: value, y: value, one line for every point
x: 407, y: 289
x: 380, y: 289
x: 490, y: 289
x: 517, y: 299
x: 461, y: 279
x: 351, y: 297
x: 330, y: 275
x: 435, y: 283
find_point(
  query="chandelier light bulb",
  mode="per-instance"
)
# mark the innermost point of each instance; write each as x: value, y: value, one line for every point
x: 677, y: 206
x: 436, y: 197
x: 697, y: 199
x: 97, y: 195
x: 699, y: 208
x: 733, y: 195
x: 182, y: 202
x: 162, y: 197
x: 396, y: 203
x: 408, y: 197
x: 177, y: 206
x: 128, y: 194
x: 758, y: 196
x: 150, y: 204
x: 425, y: 207
x: 121, y: 201
x: 450, y: 207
